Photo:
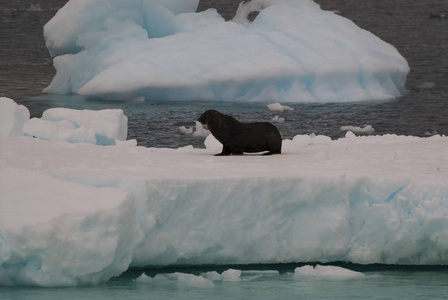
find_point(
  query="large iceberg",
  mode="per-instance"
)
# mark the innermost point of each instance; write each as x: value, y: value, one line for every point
x: 163, y: 50
x: 81, y: 213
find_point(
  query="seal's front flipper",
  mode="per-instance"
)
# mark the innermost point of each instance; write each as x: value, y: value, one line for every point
x: 222, y: 154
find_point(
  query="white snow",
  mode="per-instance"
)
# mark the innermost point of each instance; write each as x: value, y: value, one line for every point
x: 327, y: 272
x: 279, y: 107
x: 368, y: 129
x: 304, y: 140
x: 79, y: 213
x: 12, y: 117
x: 292, y: 52
x: 128, y: 143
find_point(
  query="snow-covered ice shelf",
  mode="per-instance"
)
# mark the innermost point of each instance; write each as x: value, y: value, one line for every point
x: 76, y: 213
x: 81, y: 213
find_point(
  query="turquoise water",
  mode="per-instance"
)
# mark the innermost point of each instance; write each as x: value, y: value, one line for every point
x: 378, y: 284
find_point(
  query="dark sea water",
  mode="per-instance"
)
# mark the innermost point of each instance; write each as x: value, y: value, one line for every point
x: 415, y: 27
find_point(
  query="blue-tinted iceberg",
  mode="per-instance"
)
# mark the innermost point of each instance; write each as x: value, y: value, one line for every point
x: 292, y: 52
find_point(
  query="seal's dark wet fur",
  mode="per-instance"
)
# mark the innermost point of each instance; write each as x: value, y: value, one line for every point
x: 237, y: 137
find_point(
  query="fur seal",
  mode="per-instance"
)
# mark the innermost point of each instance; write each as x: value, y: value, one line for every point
x: 237, y: 137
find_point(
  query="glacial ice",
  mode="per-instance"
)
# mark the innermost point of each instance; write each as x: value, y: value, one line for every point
x: 199, y: 131
x: 12, y: 117
x: 278, y: 119
x: 208, y: 279
x: 279, y: 107
x: 368, y: 129
x: 104, y: 127
x: 327, y: 272
x: 107, y: 124
x: 79, y: 213
x: 58, y: 131
x: 60, y: 233
x: 151, y: 49
x: 179, y: 279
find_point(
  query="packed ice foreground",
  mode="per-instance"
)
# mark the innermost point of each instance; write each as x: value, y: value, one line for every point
x: 80, y: 213
x: 293, y: 51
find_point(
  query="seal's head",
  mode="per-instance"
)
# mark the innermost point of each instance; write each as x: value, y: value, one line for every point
x: 208, y: 115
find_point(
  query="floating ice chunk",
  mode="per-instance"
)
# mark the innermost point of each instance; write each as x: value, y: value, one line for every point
x: 279, y: 107
x: 231, y: 275
x: 109, y: 124
x: 104, y: 127
x: 366, y: 129
x: 200, y: 130
x: 186, y: 130
x: 327, y: 272
x: 212, y: 275
x: 59, y: 131
x: 260, y: 272
x: 236, y: 275
x: 144, y: 279
x: 278, y: 119
x: 255, y: 274
x: 12, y: 117
x: 181, y: 279
x: 430, y: 133
x: 191, y: 280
